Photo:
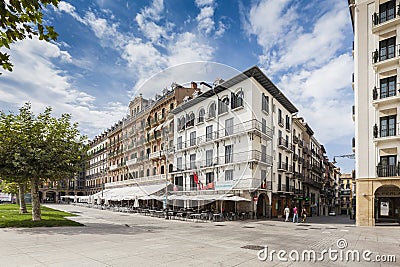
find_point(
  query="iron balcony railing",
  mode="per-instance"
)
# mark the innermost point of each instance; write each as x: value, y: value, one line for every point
x: 388, y: 131
x: 387, y: 15
x: 246, y: 156
x: 377, y: 93
x: 385, y: 53
x: 245, y: 127
x: 388, y: 170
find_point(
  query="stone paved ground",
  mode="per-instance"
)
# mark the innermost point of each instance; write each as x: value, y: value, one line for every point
x: 120, y: 239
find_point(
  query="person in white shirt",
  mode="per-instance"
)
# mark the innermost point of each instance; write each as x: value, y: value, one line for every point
x: 287, y: 212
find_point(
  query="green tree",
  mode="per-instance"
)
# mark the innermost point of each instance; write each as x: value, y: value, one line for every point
x: 39, y: 148
x: 18, y: 189
x: 20, y: 19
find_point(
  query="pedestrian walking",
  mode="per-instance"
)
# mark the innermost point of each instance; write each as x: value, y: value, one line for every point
x: 287, y: 212
x: 295, y: 215
x: 303, y: 215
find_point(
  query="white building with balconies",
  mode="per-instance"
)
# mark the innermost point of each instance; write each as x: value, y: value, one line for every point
x: 229, y: 139
x: 376, y: 27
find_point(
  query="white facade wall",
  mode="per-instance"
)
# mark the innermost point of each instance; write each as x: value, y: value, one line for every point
x: 244, y: 145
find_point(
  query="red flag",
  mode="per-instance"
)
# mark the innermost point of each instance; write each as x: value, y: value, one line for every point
x: 196, y: 178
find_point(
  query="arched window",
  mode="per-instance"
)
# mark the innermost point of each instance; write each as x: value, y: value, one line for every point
x: 148, y: 172
x: 183, y: 122
x: 190, y: 119
x: 212, y: 110
x: 154, y: 170
x: 162, y: 169
x: 223, y: 105
x: 201, y: 115
x: 237, y: 99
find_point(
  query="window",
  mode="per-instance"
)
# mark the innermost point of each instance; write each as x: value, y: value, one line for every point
x: 279, y: 182
x: 279, y: 161
x: 264, y: 125
x: 190, y: 120
x: 179, y: 163
x: 193, y: 161
x: 287, y: 122
x: 387, y: 49
x: 223, y: 105
x: 162, y: 169
x: 209, y: 157
x: 387, y: 166
x: 265, y: 103
x: 387, y: 11
x: 179, y: 182
x: 201, y: 115
x: 228, y: 153
x: 237, y: 99
x: 280, y: 119
x: 154, y: 170
x: 263, y: 153
x: 171, y: 106
x: 211, y: 110
x: 192, y: 138
x: 193, y: 185
x: 179, y: 143
x: 388, y: 87
x: 228, y: 126
x: 148, y: 172
x: 182, y: 123
x: 388, y: 126
x: 263, y: 179
x: 228, y: 175
x: 209, y: 133
x: 209, y: 179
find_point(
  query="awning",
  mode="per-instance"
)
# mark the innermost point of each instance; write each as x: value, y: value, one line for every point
x: 129, y: 192
x: 152, y: 130
x: 166, y: 123
x: 159, y: 127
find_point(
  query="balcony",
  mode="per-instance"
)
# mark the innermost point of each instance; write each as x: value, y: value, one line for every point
x: 301, y: 143
x: 391, y: 57
x: 157, y: 155
x: 249, y: 127
x: 282, y: 167
x: 295, y: 157
x: 295, y: 140
x: 389, y: 96
x: 384, y: 22
x: 388, y: 170
x: 284, y: 144
x: 387, y: 135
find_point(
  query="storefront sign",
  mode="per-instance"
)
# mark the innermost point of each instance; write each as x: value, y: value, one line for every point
x: 384, y: 208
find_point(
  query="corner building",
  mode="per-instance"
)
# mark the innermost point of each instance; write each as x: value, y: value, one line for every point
x: 376, y: 27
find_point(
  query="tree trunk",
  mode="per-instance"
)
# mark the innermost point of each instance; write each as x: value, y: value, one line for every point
x: 36, y: 215
x: 21, y: 195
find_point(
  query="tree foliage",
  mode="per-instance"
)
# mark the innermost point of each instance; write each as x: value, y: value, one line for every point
x: 20, y: 19
x: 39, y: 148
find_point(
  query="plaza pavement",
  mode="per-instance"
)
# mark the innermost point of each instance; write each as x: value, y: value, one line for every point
x: 120, y: 239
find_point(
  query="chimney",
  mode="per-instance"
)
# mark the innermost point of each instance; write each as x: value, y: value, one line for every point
x: 194, y: 85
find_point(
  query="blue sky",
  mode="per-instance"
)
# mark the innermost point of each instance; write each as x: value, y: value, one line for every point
x: 107, y: 50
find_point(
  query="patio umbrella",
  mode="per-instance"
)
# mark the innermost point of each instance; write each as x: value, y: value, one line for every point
x: 136, y: 203
x: 98, y: 200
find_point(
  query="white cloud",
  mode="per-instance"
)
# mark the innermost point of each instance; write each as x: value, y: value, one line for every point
x: 306, y: 57
x: 205, y: 19
x: 321, y: 94
x: 36, y: 79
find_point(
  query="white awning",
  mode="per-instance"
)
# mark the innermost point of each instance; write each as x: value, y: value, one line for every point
x: 152, y: 130
x: 159, y: 127
x: 129, y: 192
